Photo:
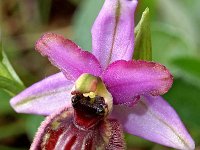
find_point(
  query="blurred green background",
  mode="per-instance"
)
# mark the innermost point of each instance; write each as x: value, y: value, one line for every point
x: 175, y: 42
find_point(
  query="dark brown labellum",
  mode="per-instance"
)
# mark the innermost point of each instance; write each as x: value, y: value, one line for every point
x: 84, y: 104
x: 88, y: 112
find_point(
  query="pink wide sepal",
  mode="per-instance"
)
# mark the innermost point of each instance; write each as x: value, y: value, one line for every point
x: 152, y: 118
x: 59, y: 132
x: 45, y: 96
x: 113, y: 31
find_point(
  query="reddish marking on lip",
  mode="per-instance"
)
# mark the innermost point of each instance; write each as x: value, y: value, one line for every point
x: 54, y: 135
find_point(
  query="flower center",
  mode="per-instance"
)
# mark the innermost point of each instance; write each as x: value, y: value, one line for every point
x: 91, y: 101
x: 90, y: 107
x: 88, y: 112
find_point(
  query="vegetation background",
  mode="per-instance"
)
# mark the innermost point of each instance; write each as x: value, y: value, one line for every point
x: 175, y: 42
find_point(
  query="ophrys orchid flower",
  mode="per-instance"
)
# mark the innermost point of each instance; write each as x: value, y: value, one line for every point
x: 100, y: 94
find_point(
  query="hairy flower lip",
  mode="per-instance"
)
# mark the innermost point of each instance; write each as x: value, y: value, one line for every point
x: 103, y: 131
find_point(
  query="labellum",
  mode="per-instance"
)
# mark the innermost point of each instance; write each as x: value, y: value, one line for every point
x: 84, y: 126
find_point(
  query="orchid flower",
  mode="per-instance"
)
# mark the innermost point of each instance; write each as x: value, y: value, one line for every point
x: 98, y: 95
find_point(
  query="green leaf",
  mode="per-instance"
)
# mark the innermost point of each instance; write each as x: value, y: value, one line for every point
x: 75, y: 2
x: 168, y: 43
x: 143, y: 47
x: 4, y: 72
x: 3, y: 147
x: 188, y: 68
x: 175, y: 13
x: 5, y: 107
x: 8, y: 130
x: 1, y: 49
x: 6, y: 69
x: 31, y: 128
x: 83, y: 21
x: 10, y: 85
x: 174, y: 32
x: 44, y: 9
x: 9, y: 80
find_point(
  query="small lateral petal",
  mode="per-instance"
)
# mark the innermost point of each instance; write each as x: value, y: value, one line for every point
x: 126, y: 80
x: 113, y: 31
x: 154, y: 119
x: 67, y: 56
x: 44, y: 97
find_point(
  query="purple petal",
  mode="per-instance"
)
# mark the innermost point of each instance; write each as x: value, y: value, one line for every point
x: 154, y: 119
x: 126, y: 80
x: 45, y: 96
x: 113, y: 31
x: 67, y: 56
